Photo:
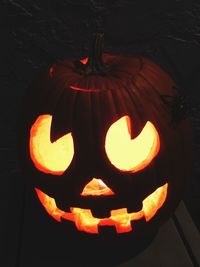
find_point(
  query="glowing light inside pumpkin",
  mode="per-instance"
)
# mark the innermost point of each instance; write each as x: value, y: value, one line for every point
x: 49, y: 157
x: 96, y: 187
x: 129, y: 154
x: 84, y: 89
x: 84, y: 60
x: 120, y: 218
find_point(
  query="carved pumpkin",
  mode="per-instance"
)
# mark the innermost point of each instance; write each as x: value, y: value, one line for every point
x: 103, y: 148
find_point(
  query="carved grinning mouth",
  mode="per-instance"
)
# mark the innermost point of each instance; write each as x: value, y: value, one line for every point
x: 119, y: 218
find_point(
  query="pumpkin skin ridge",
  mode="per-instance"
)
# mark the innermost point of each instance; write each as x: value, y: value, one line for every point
x: 151, y: 85
x: 143, y: 60
x: 90, y: 88
x: 133, y: 99
x: 164, y: 112
x: 113, y: 73
x: 130, y: 74
x: 59, y: 110
x: 137, y: 94
x: 149, y: 64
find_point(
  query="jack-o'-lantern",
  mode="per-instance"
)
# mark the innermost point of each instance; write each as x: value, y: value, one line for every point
x: 103, y: 148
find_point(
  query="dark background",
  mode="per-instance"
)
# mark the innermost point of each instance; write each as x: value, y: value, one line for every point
x: 36, y: 33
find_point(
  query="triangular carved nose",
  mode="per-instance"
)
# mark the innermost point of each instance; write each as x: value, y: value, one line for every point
x: 96, y: 187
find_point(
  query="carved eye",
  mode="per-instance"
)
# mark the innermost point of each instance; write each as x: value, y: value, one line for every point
x: 49, y: 157
x: 129, y: 154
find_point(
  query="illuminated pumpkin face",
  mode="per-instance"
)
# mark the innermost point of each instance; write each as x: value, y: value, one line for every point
x: 102, y: 150
x: 124, y: 153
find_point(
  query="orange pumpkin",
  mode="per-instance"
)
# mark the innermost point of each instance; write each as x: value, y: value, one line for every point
x: 100, y: 145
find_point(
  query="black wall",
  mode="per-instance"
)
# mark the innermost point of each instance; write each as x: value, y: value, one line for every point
x: 36, y: 33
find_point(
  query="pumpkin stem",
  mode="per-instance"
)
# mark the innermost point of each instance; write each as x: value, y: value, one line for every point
x: 95, y: 64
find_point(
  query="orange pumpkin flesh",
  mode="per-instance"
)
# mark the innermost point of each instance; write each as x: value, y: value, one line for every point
x: 96, y: 187
x: 84, y: 89
x: 49, y: 157
x: 120, y: 218
x: 84, y: 60
x: 131, y: 154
